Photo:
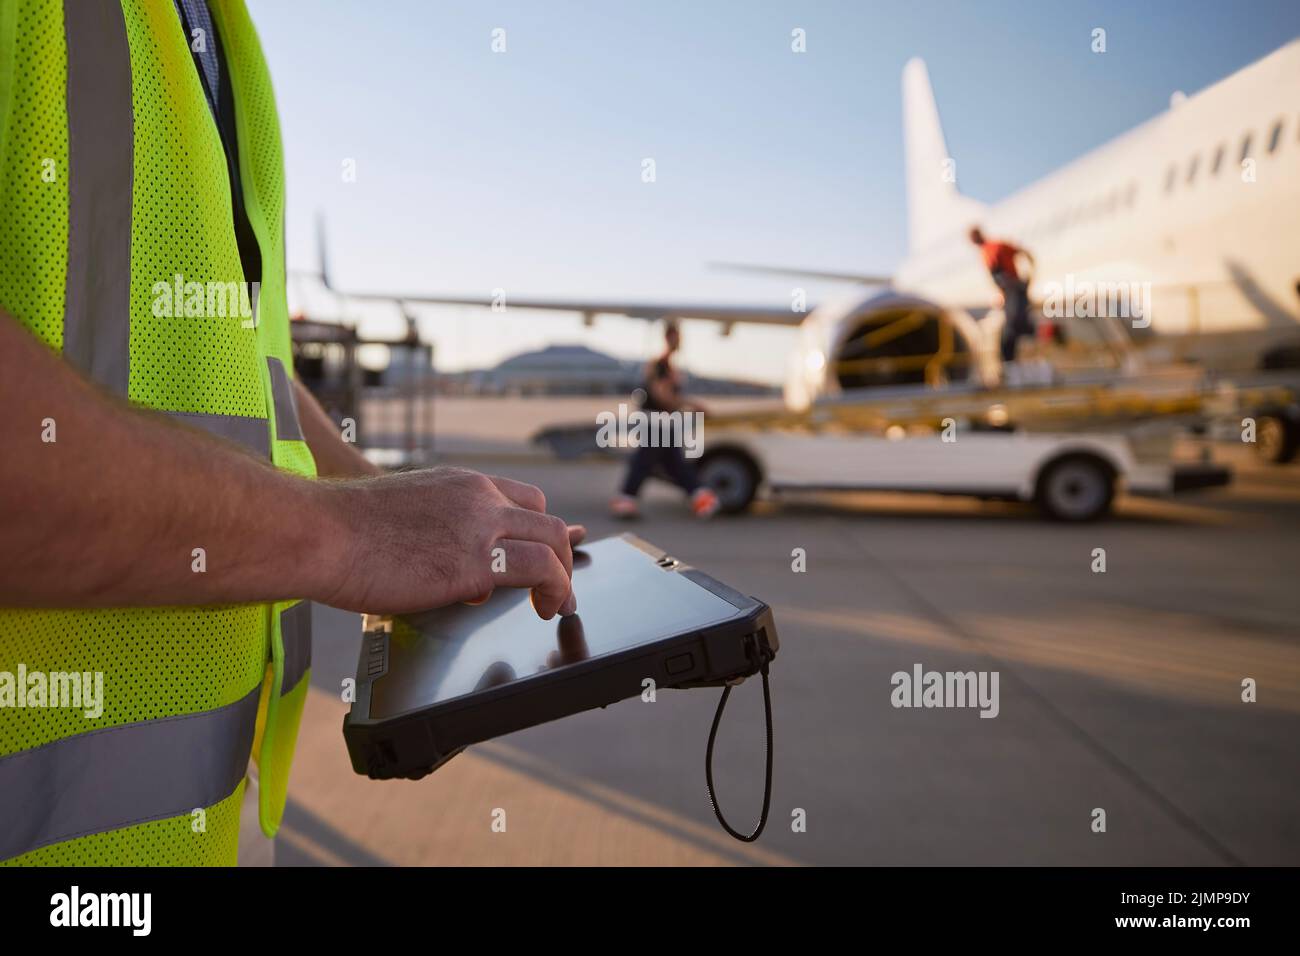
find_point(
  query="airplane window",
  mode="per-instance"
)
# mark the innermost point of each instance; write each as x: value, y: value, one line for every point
x: 1245, y: 148
x: 1169, y: 178
x: 1218, y: 159
x: 1275, y: 137
x: 1191, y: 168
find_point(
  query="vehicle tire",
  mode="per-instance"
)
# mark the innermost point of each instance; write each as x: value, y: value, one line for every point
x: 1076, y: 488
x: 733, y: 477
x: 1277, y: 438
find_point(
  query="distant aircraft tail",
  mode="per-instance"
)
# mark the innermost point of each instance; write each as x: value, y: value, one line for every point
x: 935, y: 209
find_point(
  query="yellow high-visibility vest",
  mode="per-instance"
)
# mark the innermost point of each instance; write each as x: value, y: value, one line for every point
x: 118, y: 250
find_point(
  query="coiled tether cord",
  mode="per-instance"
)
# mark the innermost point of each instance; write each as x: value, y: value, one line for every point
x: 708, y: 763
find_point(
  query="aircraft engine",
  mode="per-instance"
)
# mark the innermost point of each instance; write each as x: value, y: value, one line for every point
x: 883, y: 341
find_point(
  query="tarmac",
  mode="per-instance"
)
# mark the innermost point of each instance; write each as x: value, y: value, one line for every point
x: 1119, y: 692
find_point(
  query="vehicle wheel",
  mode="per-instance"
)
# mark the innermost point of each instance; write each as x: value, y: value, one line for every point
x: 1277, y: 438
x: 1077, y: 488
x: 733, y: 477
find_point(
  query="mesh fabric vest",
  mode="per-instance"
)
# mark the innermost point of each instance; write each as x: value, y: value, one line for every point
x: 114, y: 195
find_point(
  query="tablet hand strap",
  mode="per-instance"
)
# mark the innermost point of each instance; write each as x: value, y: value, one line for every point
x: 708, y: 763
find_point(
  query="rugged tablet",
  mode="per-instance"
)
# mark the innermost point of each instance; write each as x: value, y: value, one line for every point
x: 430, y: 684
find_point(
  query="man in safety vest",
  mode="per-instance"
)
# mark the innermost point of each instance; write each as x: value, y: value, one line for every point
x: 162, y: 527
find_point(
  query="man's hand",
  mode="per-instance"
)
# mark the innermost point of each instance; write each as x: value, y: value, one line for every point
x: 429, y: 538
x: 527, y: 563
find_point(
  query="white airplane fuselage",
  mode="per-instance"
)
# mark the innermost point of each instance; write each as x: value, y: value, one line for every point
x: 1199, y: 207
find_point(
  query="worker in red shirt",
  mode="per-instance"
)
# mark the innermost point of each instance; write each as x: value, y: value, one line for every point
x: 1000, y: 260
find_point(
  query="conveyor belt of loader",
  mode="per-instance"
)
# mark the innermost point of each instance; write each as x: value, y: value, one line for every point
x: 1106, y: 405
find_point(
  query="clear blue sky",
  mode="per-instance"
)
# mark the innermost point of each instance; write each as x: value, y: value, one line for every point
x: 522, y: 170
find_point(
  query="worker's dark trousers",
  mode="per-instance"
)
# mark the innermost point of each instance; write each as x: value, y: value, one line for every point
x: 1017, y: 324
x: 671, y: 461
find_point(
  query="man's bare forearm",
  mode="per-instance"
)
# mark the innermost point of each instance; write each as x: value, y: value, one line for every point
x: 103, y: 505
x: 335, y: 458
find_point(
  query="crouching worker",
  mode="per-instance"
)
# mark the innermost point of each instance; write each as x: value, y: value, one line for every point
x: 663, y: 394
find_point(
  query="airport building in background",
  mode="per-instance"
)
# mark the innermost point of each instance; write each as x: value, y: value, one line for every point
x: 576, y: 370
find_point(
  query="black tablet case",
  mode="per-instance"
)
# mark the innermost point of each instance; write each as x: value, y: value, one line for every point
x: 414, y: 744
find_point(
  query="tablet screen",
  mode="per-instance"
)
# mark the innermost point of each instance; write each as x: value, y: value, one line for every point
x: 624, y: 600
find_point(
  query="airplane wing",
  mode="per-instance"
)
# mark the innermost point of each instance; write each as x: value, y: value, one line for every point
x: 590, y: 308
x: 727, y: 315
x: 794, y: 272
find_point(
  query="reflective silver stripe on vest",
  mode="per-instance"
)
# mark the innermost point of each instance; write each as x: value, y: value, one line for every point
x: 287, y: 427
x: 97, y: 296
x: 244, y: 430
x: 122, y: 776
x: 295, y: 636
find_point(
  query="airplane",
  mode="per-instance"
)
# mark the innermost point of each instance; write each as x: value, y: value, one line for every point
x: 1194, y: 207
